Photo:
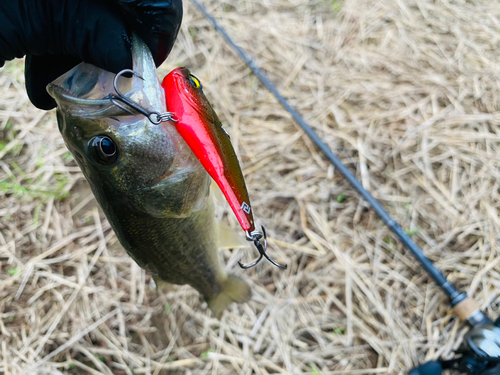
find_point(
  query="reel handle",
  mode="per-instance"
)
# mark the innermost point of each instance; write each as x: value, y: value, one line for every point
x: 480, y: 353
x: 429, y: 368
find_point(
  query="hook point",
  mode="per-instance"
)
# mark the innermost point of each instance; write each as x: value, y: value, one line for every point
x: 255, y: 237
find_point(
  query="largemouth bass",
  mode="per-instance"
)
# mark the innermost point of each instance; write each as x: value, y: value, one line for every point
x: 151, y: 187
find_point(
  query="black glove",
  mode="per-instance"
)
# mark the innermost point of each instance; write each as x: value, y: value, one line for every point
x: 429, y: 368
x: 56, y: 35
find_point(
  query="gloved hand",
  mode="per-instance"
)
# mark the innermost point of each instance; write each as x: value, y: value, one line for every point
x: 56, y: 35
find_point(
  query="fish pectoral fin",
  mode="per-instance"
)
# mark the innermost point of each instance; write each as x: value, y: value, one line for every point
x: 233, y: 289
x: 216, y: 193
x: 227, y: 238
x: 161, y: 285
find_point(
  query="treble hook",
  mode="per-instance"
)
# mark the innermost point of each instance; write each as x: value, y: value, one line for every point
x: 153, y: 116
x: 256, y: 236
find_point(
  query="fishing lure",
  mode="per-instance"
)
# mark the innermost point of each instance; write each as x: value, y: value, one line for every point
x: 200, y: 127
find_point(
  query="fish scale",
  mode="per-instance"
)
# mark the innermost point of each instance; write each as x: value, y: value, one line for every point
x: 194, y: 234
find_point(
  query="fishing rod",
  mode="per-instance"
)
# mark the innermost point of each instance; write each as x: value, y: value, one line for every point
x: 480, y: 351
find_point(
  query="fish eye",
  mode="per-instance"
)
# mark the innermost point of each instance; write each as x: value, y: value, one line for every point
x: 104, y: 149
x: 195, y: 82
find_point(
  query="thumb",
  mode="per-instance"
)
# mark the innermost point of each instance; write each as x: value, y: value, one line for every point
x: 40, y: 71
x: 157, y: 22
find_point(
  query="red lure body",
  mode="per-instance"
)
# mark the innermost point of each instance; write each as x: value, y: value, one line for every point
x: 199, y: 126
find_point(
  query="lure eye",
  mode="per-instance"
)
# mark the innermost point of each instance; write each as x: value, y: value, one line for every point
x: 195, y: 82
x: 104, y: 149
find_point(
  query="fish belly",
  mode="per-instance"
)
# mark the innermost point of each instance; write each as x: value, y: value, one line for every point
x: 181, y: 251
x: 177, y: 250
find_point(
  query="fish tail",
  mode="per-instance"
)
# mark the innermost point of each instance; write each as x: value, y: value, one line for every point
x: 233, y: 289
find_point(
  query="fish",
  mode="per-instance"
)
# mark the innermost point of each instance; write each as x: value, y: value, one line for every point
x: 151, y: 187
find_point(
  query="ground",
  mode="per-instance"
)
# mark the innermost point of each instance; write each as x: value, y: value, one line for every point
x: 407, y: 93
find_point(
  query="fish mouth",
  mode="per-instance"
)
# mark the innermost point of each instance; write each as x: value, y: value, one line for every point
x: 161, y: 181
x: 85, y: 90
x: 165, y: 181
x: 87, y: 108
x: 65, y: 97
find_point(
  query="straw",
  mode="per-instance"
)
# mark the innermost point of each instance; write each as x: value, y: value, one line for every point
x: 406, y: 93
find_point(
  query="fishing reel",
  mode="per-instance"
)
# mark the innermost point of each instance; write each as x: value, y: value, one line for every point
x: 478, y: 355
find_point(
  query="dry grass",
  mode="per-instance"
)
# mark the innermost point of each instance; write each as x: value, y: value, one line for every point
x: 406, y: 92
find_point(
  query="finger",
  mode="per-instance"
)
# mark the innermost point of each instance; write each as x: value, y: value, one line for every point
x: 157, y: 22
x: 92, y: 30
x: 40, y: 71
x: 96, y: 33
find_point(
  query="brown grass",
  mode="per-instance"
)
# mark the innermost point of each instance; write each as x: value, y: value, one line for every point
x: 406, y: 92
